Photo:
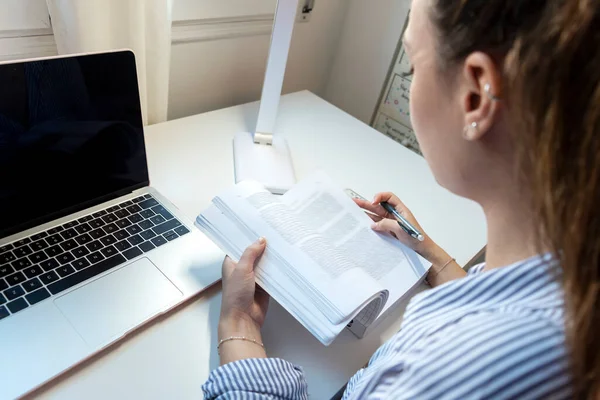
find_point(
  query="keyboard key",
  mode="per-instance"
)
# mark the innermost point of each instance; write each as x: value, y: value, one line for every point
x: 37, y: 296
x: 15, y: 279
x: 110, y: 228
x: 6, y: 248
x: 54, y: 239
x: 135, y: 218
x: 146, y: 246
x: 17, y: 305
x: 97, y: 223
x: 146, y: 224
x: 65, y: 270
x: 99, y: 214
x: 132, y: 253
x: 181, y: 230
x: 83, y: 239
x: 49, y: 265
x: 84, y: 219
x: 109, y: 251
x: 122, y: 234
x: 39, y: 245
x: 157, y: 219
x: 135, y: 240
x: 159, y: 241
x: 83, y: 228
x: 109, y: 218
x: 7, y: 257
x: 6, y: 270
x: 3, y: 311
x: 14, y: 292
x: 113, y: 209
x: 23, y: 251
x: 122, y: 213
x: 34, y: 271
x: 69, y: 245
x: 148, y: 203
x: 38, y: 257
x: 70, y: 224
x: 134, y: 209
x: 108, y: 240
x: 138, y: 199
x: 123, y: 245
x: 148, y: 196
x: 80, y: 264
x: 95, y: 257
x: 22, y: 242
x: 134, y: 229
x: 166, y: 226
x: 95, y: 245
x: 80, y: 252
x: 147, y: 235
x: 123, y: 223
x: 54, y: 251
x: 147, y: 214
x: 55, y: 230
x: 97, y: 233
x: 2, y: 299
x: 3, y: 284
x: 126, y: 204
x: 39, y: 236
x: 32, y: 284
x: 162, y: 211
x: 21, y: 263
x: 170, y: 235
x: 86, y: 274
x: 65, y: 258
x: 68, y: 234
x: 49, y: 277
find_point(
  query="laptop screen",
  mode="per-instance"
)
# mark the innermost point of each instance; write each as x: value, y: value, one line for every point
x: 71, y: 136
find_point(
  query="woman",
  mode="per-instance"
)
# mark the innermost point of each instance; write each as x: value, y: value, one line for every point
x: 505, y: 102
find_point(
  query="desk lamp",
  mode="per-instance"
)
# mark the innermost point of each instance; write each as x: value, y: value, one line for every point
x: 262, y: 155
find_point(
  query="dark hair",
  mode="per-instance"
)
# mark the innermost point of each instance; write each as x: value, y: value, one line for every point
x: 549, y: 54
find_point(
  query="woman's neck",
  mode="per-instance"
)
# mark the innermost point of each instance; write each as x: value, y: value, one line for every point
x: 511, y: 232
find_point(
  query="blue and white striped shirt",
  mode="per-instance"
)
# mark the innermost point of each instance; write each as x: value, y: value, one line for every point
x: 491, y: 335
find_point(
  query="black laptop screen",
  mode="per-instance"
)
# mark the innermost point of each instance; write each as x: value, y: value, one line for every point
x: 71, y: 136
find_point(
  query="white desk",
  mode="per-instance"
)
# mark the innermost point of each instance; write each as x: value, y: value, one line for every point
x: 191, y: 160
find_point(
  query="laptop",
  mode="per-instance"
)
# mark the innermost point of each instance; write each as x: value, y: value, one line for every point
x: 88, y: 250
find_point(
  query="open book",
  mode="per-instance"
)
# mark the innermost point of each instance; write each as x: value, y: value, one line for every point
x: 323, y: 263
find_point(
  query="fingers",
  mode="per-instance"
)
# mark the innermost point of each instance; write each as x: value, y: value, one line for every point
x: 392, y: 199
x: 373, y: 208
x: 252, y: 254
x: 228, y: 266
x: 389, y: 226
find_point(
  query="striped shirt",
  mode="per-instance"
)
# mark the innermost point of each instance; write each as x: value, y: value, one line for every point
x: 491, y: 335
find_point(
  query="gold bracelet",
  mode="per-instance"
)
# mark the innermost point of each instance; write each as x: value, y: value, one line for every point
x: 237, y: 338
x: 443, y: 266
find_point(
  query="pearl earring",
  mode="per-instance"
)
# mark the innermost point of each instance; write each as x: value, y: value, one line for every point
x: 473, y: 126
x: 488, y: 90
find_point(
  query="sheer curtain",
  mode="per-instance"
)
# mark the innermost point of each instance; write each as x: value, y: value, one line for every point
x: 143, y: 26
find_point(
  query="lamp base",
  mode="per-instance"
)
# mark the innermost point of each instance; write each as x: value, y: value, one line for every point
x: 270, y: 165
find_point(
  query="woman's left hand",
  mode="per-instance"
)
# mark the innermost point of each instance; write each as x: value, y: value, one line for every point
x: 244, y: 306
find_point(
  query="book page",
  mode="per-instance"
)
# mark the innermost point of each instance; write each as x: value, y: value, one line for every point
x: 338, y: 220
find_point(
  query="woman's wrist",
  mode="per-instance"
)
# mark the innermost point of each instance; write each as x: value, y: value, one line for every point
x: 433, y: 253
x: 239, y: 349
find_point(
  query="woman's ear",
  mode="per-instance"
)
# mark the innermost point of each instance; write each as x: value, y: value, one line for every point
x: 481, y: 97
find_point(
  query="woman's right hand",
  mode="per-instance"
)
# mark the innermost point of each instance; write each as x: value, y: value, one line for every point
x: 386, y: 223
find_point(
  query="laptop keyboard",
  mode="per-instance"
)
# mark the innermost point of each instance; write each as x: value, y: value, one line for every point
x: 45, y: 264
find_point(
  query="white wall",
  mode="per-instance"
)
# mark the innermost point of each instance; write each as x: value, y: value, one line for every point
x: 368, y: 41
x: 219, y: 49
x: 209, y: 75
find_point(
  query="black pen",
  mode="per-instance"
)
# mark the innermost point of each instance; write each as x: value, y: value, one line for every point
x: 404, y: 224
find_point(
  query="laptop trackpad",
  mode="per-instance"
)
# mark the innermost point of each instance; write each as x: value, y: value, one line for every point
x: 105, y: 309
